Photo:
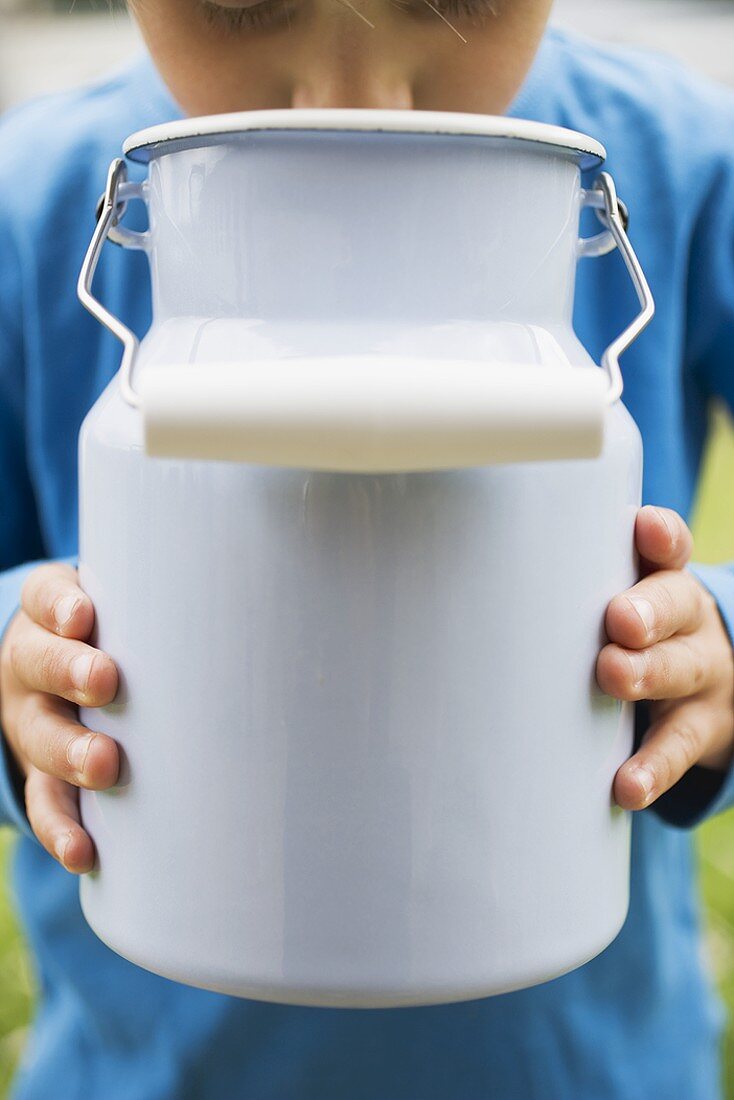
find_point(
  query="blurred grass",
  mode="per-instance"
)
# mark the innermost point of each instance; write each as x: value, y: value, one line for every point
x: 713, y: 526
x: 16, y: 982
x: 714, y: 529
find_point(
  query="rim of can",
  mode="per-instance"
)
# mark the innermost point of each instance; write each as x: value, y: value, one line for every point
x: 191, y: 133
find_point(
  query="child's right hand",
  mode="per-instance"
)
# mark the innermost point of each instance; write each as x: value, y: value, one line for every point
x: 46, y: 670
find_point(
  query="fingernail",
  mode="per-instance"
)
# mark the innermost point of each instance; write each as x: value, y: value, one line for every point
x: 645, y: 610
x: 638, y: 663
x: 64, y: 608
x: 78, y: 750
x: 644, y: 777
x: 62, y: 843
x: 662, y: 516
x: 80, y: 670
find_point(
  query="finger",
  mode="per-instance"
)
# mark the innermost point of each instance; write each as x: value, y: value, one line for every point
x: 662, y: 538
x: 53, y: 812
x: 51, y: 596
x: 673, y: 669
x: 671, y: 746
x: 49, y: 738
x: 663, y: 604
x: 62, y: 666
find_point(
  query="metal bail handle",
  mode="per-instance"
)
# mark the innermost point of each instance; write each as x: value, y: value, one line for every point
x: 108, y: 213
x: 370, y: 413
x: 603, y: 198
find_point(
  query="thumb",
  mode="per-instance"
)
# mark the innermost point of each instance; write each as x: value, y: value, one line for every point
x: 662, y: 538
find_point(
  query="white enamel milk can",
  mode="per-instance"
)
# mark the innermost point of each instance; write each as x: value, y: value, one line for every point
x: 351, y: 514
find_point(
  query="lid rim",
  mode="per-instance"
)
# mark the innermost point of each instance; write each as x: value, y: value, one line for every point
x: 145, y: 144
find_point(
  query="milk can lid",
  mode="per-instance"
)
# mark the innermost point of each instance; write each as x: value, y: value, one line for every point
x: 194, y: 132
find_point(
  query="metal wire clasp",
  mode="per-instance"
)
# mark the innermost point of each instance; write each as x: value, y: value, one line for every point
x: 107, y: 218
x: 603, y: 198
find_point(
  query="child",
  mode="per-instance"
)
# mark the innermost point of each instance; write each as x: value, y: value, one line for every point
x: 641, y: 1019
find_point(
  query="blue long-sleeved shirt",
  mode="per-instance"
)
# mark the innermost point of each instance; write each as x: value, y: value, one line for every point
x: 639, y: 1021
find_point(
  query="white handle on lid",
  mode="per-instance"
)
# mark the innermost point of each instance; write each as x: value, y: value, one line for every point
x: 372, y: 413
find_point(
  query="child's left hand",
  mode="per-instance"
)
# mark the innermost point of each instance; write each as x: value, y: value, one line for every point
x: 668, y: 643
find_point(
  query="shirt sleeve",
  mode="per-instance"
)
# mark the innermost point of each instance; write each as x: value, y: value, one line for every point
x: 704, y: 792
x: 21, y: 544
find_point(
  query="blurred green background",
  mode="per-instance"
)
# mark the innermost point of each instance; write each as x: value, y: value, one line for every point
x: 714, y: 530
x: 713, y: 527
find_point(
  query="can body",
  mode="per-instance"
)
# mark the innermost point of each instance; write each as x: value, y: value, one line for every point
x: 365, y: 761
